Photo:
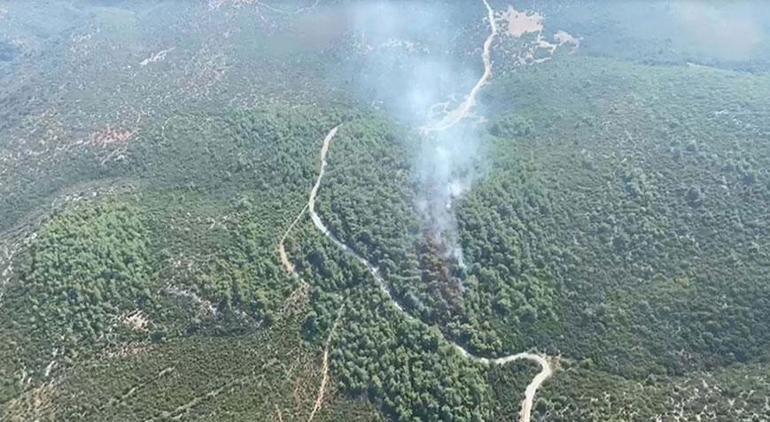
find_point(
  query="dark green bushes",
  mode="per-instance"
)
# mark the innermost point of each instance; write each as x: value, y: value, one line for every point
x: 87, y: 265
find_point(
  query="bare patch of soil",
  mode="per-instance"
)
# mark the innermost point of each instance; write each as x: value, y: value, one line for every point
x: 109, y: 136
x: 520, y: 23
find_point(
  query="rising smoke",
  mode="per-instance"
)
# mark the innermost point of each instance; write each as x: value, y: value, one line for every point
x: 413, y: 68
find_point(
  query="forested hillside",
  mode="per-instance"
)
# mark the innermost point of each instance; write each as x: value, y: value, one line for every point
x: 234, y: 210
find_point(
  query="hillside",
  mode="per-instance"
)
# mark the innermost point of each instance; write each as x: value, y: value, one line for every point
x: 309, y: 210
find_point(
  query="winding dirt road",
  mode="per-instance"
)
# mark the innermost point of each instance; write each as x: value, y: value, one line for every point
x: 545, y: 364
x: 466, y: 107
x: 451, y: 119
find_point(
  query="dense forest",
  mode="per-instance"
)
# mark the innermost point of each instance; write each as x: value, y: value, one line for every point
x: 156, y: 159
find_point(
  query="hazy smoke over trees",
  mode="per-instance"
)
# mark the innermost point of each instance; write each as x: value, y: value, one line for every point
x: 411, y: 69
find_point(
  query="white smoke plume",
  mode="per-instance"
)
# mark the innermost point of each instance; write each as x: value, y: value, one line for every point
x: 413, y: 67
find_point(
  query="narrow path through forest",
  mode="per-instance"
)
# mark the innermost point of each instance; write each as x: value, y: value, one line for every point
x: 281, y: 244
x: 325, y: 370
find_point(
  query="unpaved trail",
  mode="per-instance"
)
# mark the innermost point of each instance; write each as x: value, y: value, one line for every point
x: 287, y: 265
x: 466, y: 107
x: 322, y: 227
x: 325, y: 379
x: 529, y: 393
x: 545, y: 364
x: 451, y: 119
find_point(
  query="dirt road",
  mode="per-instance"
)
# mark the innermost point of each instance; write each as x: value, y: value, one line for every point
x: 545, y: 364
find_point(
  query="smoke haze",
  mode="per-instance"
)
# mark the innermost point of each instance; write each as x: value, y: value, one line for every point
x: 410, y: 68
